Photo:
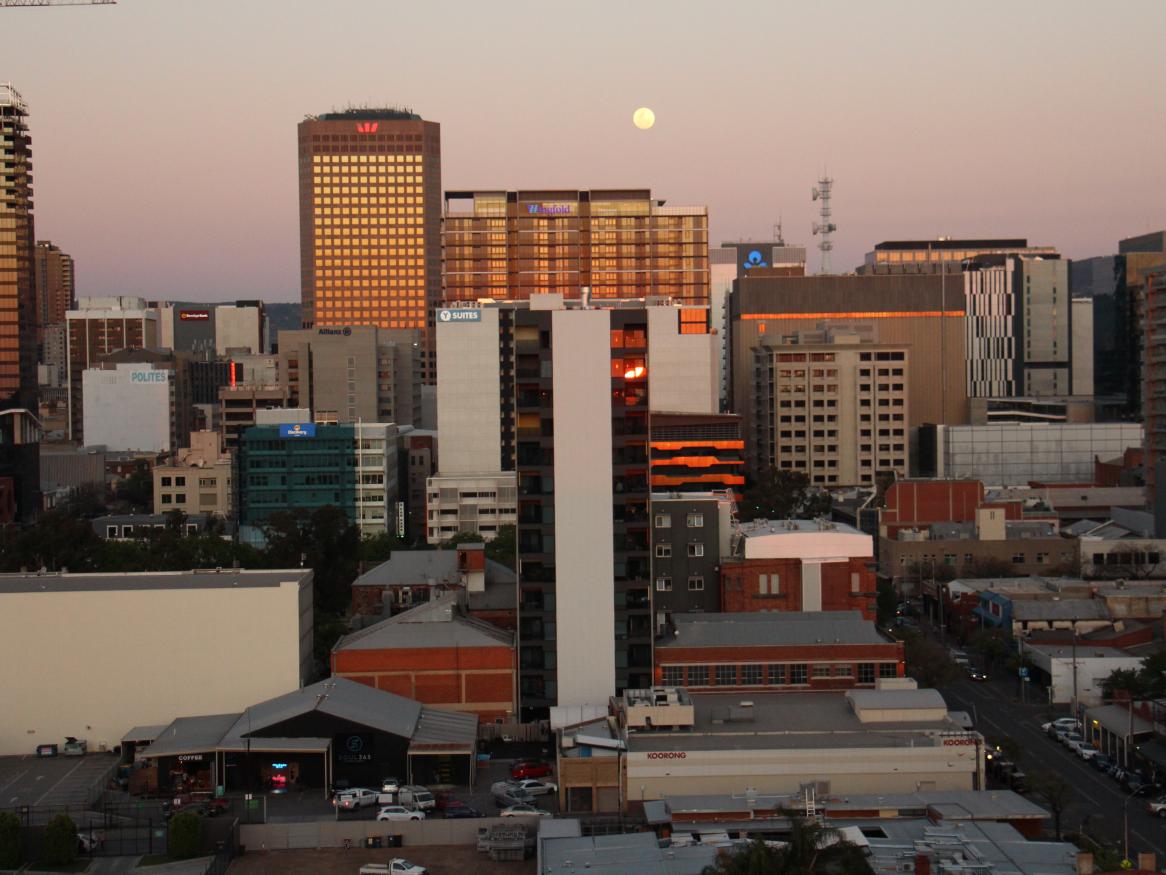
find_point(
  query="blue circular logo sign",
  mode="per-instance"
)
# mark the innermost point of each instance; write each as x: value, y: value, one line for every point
x: 355, y: 744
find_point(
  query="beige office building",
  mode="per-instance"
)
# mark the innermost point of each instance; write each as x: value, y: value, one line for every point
x: 114, y: 651
x: 831, y: 405
x: 353, y: 373
x: 197, y: 480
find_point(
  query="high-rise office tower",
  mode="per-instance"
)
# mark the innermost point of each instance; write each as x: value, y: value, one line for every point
x: 19, y: 458
x: 944, y: 254
x: 55, y: 286
x: 619, y: 244
x: 555, y: 395
x: 370, y: 221
x: 17, y: 304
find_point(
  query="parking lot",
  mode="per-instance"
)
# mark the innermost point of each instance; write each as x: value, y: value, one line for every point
x: 311, y: 804
x: 52, y: 782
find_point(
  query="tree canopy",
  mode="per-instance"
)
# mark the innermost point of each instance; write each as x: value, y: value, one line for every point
x: 777, y: 495
x: 810, y: 849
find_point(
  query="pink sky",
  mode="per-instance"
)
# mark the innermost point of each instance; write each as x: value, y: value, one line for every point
x: 164, y: 132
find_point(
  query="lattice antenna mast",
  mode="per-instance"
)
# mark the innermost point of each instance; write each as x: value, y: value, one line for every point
x: 825, y: 227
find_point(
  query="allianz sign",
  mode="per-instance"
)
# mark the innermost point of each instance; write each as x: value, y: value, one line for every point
x: 149, y: 376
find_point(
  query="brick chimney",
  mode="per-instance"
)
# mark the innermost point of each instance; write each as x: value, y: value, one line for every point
x: 1148, y: 861
x: 1084, y: 863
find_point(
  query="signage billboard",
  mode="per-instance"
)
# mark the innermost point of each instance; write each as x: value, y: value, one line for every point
x: 353, y: 749
x: 298, y: 430
x: 550, y: 209
x: 459, y: 315
x: 194, y: 315
x: 149, y: 376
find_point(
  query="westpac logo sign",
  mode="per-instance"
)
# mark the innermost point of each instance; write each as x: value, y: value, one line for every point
x: 459, y: 315
x: 149, y: 376
x: 366, y: 127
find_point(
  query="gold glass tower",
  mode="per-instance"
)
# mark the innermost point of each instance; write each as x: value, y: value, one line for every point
x: 17, y: 304
x: 370, y: 221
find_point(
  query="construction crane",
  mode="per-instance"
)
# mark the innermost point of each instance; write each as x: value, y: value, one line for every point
x: 8, y: 4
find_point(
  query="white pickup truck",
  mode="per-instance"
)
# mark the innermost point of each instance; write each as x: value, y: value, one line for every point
x: 393, y: 867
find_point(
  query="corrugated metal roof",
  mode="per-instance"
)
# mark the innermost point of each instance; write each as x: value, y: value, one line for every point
x: 898, y: 700
x: 338, y: 697
x: 1060, y: 609
x: 435, y: 624
x: 149, y: 732
x: 447, y: 730
x: 408, y: 567
x: 771, y: 628
x: 191, y: 735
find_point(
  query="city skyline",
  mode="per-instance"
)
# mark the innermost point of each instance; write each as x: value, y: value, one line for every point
x: 165, y: 151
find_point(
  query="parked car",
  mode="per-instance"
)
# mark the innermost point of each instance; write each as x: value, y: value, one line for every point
x: 357, y: 797
x: 1087, y: 751
x: 213, y: 807
x: 1157, y: 807
x: 1071, y: 739
x: 418, y: 797
x: 1065, y: 724
x: 531, y: 769
x: 522, y: 809
x: 535, y: 787
x: 390, y: 785
x: 507, y: 795
x: 88, y: 842
x: 1018, y: 781
x: 399, y: 812
x: 1102, y: 763
x: 398, y: 866
x: 461, y: 810
x: 74, y: 747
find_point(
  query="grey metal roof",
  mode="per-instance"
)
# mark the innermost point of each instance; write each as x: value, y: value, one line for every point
x: 337, y: 697
x: 997, y: 847
x: 438, y: 623
x: 149, y: 732
x: 227, y: 578
x: 1118, y: 720
x: 763, y: 528
x: 445, y: 730
x: 191, y: 735
x: 790, y: 721
x: 771, y: 628
x: 1079, y: 528
x: 953, y: 804
x: 629, y: 854
x: 1060, y: 609
x: 417, y: 567
x: 925, y: 699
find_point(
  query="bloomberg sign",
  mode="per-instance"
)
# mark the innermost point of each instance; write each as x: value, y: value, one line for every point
x: 299, y: 430
x: 459, y: 315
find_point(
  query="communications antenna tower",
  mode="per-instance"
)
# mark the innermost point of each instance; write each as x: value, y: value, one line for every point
x: 825, y: 227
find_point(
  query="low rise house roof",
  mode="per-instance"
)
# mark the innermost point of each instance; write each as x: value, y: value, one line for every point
x: 420, y: 567
x: 1060, y: 609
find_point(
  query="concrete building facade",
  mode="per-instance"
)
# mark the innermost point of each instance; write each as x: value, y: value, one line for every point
x: 103, y: 623
x: 55, y: 281
x: 18, y: 304
x: 830, y: 406
x: 198, y: 479
x: 690, y: 534
x: 370, y: 221
x: 128, y: 406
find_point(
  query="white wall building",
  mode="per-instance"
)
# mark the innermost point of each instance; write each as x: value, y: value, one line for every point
x: 127, y: 407
x: 92, y: 655
x: 1094, y: 665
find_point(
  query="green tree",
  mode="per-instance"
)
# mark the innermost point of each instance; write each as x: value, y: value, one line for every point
x: 137, y: 491
x: 9, y: 840
x: 87, y: 500
x: 929, y: 663
x: 503, y: 549
x: 60, y: 841
x: 1056, y: 792
x: 375, y: 549
x: 1148, y: 681
x: 185, y: 835
x: 326, y: 631
x: 811, y: 849
x: 778, y: 495
x: 992, y: 644
x: 324, y: 540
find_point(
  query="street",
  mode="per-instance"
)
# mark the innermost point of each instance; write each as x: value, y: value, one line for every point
x: 1097, y: 803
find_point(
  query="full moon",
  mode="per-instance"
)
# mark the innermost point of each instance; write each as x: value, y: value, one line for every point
x: 644, y: 118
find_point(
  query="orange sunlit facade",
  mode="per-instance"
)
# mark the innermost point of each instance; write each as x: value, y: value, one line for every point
x: 17, y: 304
x: 697, y: 453
x: 508, y: 245
x: 370, y: 220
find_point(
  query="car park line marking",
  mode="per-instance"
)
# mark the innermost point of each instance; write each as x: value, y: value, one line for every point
x: 61, y: 781
x: 13, y: 781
